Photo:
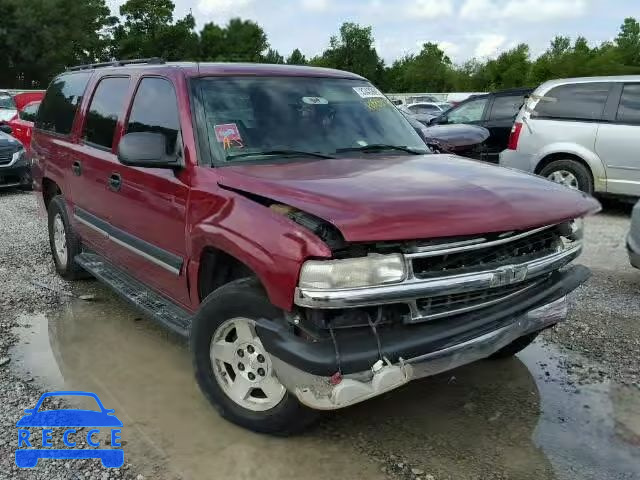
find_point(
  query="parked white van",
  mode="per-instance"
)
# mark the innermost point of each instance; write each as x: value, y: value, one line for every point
x: 581, y: 132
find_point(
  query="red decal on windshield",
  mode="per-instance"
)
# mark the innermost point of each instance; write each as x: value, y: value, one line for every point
x: 229, y: 135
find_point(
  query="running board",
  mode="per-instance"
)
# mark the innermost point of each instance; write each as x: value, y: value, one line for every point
x: 151, y: 303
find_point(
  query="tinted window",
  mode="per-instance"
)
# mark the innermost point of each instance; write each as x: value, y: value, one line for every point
x: 629, y: 108
x: 29, y: 112
x: 424, y: 109
x: 582, y: 101
x: 155, y: 109
x: 106, y: 107
x: 58, y: 109
x: 506, y: 107
x: 467, y: 113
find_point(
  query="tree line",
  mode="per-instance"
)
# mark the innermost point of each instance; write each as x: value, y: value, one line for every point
x: 40, y: 38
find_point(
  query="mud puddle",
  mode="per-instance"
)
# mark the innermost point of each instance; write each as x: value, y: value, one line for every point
x: 522, y: 418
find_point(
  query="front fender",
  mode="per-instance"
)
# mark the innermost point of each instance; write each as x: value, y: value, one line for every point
x: 273, y: 246
x: 589, y: 156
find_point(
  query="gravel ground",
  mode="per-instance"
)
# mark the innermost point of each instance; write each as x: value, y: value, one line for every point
x: 604, y: 326
x: 30, y: 284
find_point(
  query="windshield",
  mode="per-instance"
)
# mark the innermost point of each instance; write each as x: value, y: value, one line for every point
x: 6, y: 101
x: 253, y: 117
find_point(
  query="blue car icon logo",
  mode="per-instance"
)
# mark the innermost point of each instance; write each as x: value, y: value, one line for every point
x: 69, y: 420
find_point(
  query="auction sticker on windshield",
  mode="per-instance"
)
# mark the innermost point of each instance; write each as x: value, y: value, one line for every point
x: 368, y: 92
x: 41, y: 431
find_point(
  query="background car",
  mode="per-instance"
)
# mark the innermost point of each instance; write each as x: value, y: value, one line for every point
x: 15, y: 168
x: 8, y: 109
x: 420, y: 99
x: 22, y: 125
x: 494, y: 111
x: 633, y: 240
x: 583, y: 133
x: 425, y: 111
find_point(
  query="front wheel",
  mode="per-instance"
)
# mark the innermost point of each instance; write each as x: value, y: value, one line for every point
x: 233, y: 368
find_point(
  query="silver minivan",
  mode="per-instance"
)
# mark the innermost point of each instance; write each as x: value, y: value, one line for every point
x: 581, y: 132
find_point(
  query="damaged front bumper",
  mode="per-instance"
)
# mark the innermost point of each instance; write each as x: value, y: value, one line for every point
x: 308, y: 369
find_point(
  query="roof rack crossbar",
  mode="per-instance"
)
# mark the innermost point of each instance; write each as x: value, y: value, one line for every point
x: 118, y: 63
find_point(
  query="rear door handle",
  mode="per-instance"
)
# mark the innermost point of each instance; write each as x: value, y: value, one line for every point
x: 77, y: 168
x: 115, y: 182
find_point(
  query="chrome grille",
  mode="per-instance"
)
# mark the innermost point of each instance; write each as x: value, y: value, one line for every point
x: 520, y: 250
x: 450, y: 305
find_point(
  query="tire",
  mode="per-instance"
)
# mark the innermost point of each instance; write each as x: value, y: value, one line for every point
x: 67, y: 268
x: 580, y: 173
x: 515, y: 347
x: 242, y: 299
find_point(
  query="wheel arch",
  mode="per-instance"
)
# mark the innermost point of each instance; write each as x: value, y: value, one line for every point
x: 49, y: 190
x: 588, y: 159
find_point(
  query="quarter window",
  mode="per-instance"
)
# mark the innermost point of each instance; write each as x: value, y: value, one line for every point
x: 629, y: 108
x: 58, y: 109
x: 580, y: 101
x: 155, y: 109
x: 105, y: 109
x: 506, y: 107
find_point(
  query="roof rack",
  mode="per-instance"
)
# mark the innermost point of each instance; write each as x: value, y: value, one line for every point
x: 119, y: 63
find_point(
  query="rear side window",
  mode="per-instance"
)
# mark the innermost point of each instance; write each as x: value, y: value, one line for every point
x: 506, y: 107
x: 468, y: 112
x: 629, y: 108
x: 105, y: 109
x: 155, y: 109
x: 58, y: 109
x: 580, y: 101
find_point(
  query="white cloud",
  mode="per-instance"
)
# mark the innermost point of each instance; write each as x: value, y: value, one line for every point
x: 430, y: 8
x: 489, y: 44
x: 450, y: 48
x: 477, y: 8
x: 543, y: 10
x: 222, y: 7
x: 524, y: 10
x: 315, y: 5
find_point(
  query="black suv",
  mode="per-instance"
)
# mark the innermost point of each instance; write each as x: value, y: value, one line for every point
x: 494, y: 111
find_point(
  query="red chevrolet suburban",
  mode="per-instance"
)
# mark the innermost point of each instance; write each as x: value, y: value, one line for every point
x: 290, y: 222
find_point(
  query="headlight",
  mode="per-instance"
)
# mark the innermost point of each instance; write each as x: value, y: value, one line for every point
x: 353, y: 272
x: 18, y: 155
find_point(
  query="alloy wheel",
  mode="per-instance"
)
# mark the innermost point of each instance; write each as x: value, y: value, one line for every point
x: 243, y: 368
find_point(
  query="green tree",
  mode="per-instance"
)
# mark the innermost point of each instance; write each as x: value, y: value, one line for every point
x: 297, y: 58
x: 42, y: 37
x: 245, y: 41
x: 272, y: 56
x: 510, y: 69
x: 628, y: 42
x: 353, y: 51
x: 212, y: 43
x: 148, y: 30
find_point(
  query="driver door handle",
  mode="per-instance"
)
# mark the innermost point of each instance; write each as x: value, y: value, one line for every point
x: 115, y: 182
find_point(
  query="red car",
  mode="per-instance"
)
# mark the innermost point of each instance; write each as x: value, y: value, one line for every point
x: 293, y: 225
x: 22, y: 124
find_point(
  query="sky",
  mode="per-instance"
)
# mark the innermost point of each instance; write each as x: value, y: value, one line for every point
x: 463, y: 28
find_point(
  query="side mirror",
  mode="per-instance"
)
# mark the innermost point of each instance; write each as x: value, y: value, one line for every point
x: 146, y: 149
x: 6, y: 129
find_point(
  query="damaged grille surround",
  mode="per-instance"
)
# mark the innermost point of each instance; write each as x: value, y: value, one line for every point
x: 457, y: 276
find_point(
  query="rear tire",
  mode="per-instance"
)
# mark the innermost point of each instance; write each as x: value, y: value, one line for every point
x: 515, y: 347
x: 64, y: 242
x: 570, y: 173
x: 242, y: 301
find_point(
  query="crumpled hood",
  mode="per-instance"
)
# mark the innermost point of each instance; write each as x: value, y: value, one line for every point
x: 412, y: 197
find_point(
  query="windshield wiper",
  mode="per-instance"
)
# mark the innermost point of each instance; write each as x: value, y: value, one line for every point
x: 378, y: 147
x: 271, y: 153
